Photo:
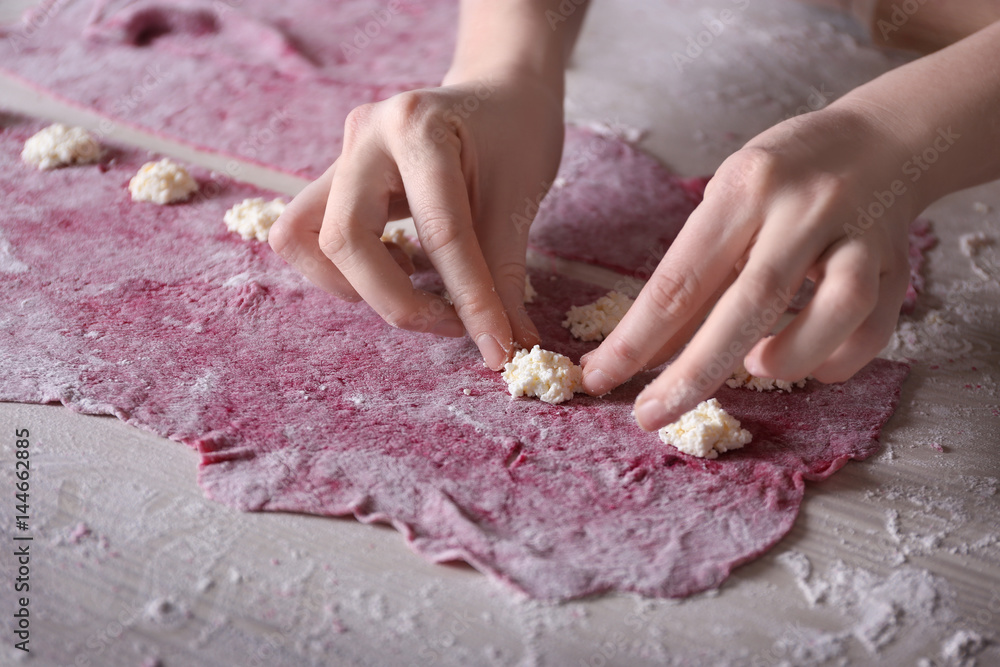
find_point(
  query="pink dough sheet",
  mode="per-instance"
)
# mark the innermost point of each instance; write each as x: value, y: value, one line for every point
x: 299, y: 402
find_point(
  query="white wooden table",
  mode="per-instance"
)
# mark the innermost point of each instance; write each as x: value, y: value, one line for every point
x: 131, y: 565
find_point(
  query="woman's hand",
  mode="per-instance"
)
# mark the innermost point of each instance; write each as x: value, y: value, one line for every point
x: 469, y: 161
x: 822, y: 196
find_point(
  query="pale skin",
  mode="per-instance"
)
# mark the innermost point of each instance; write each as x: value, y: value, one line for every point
x: 465, y: 160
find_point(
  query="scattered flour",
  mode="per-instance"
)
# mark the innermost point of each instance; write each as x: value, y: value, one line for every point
x: 60, y: 145
x: 900, y: 608
x: 972, y: 246
x: 962, y: 647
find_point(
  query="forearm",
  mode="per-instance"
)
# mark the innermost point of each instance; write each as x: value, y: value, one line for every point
x: 918, y: 25
x: 523, y: 37
x: 943, y: 108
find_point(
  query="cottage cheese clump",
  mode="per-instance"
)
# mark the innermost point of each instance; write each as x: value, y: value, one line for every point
x: 706, y: 431
x: 597, y: 320
x: 549, y: 376
x: 60, y: 145
x: 399, y: 237
x: 252, y: 218
x: 742, y: 378
x: 163, y: 182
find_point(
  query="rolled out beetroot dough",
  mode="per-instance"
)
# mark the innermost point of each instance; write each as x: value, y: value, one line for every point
x: 299, y: 402
x: 273, y: 82
x: 268, y: 82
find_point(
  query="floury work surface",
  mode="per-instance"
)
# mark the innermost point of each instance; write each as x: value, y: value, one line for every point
x: 893, y: 560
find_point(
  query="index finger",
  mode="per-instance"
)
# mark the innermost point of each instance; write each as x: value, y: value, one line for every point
x: 746, y: 313
x: 439, y: 201
x: 686, y: 278
x: 356, y: 213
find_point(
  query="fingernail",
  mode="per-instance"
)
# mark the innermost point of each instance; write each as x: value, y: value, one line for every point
x: 597, y: 382
x: 493, y: 352
x: 651, y: 414
x: 583, y: 359
x: 449, y: 328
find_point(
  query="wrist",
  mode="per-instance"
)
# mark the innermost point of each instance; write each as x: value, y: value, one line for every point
x: 514, y: 40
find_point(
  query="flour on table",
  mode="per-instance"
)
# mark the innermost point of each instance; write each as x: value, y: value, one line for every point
x: 252, y: 218
x: 962, y: 646
x: 706, y: 431
x: 550, y: 376
x: 163, y: 182
x: 742, y: 378
x: 972, y: 246
x: 60, y: 145
x: 596, y: 321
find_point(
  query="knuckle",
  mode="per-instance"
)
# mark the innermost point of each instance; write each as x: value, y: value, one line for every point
x: 357, y: 121
x: 750, y: 170
x: 760, y: 286
x: 623, y: 350
x: 471, y: 308
x: 412, y: 112
x: 673, y: 294
x: 871, y: 338
x: 437, y: 228
x: 333, y: 244
x: 853, y: 294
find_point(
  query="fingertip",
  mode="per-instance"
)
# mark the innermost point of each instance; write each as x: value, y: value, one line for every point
x: 596, y: 382
x: 494, y: 354
x: 651, y: 414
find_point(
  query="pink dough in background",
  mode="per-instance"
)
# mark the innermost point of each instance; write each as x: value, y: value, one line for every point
x: 268, y: 82
x: 297, y: 401
x: 272, y: 83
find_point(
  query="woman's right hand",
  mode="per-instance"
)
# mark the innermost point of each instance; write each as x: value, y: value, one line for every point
x: 469, y: 161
